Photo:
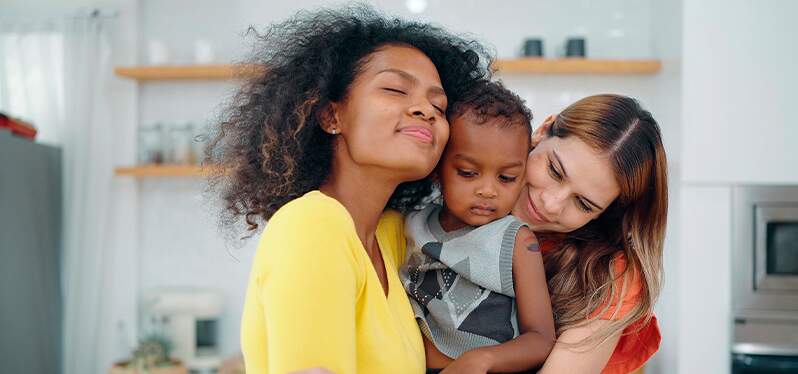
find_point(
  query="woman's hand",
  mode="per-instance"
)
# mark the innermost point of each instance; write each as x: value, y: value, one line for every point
x: 471, y: 362
x: 312, y: 371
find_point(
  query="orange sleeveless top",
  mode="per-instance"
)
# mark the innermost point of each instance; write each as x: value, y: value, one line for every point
x: 640, y: 340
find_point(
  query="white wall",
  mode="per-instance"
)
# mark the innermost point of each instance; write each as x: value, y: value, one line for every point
x: 738, y: 82
x: 667, y: 46
x: 739, y: 90
x: 704, y: 286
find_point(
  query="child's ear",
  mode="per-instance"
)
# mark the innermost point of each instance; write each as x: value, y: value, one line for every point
x: 542, y: 131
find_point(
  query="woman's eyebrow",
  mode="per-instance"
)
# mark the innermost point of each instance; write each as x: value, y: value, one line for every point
x: 405, y: 75
x: 412, y: 79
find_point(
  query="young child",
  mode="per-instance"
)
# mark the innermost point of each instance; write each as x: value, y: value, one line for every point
x: 474, y: 273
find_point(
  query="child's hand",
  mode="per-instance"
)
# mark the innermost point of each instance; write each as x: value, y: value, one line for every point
x: 471, y: 362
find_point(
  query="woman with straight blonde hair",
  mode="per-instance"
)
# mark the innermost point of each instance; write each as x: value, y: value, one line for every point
x: 596, y: 196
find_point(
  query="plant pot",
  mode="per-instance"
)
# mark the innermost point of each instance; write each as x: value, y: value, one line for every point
x: 121, y: 368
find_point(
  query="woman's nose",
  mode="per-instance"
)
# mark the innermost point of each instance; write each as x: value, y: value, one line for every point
x: 423, y: 110
x: 553, y: 200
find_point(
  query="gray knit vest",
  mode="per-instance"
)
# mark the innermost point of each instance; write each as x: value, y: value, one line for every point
x: 460, y: 283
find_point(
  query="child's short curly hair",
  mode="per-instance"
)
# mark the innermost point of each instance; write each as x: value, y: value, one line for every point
x: 270, y: 142
x: 488, y: 101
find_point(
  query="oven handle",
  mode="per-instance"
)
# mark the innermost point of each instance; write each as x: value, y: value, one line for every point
x: 765, y: 349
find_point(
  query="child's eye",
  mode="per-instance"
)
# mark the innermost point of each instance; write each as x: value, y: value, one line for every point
x: 395, y: 90
x: 440, y: 111
x: 507, y: 178
x: 466, y: 173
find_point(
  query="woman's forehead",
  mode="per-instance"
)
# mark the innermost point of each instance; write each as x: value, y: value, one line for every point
x: 402, y: 59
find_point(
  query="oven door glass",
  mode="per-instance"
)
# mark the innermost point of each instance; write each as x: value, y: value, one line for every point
x: 777, y: 248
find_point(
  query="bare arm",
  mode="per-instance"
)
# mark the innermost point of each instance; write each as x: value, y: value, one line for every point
x: 588, y: 359
x: 535, y: 320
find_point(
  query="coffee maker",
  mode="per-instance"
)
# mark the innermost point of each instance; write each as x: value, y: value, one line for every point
x: 189, y: 320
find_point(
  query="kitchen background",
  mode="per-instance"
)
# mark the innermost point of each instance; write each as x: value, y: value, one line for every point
x: 721, y: 92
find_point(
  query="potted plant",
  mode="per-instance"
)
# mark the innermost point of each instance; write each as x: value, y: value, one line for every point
x: 150, y: 357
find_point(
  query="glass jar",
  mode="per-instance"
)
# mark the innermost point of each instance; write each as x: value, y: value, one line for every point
x: 150, y: 144
x: 180, y: 138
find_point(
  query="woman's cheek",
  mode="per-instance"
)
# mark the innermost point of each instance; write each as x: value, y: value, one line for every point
x: 574, y: 221
x: 533, y: 168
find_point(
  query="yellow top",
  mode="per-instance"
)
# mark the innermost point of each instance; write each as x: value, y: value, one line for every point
x: 314, y: 299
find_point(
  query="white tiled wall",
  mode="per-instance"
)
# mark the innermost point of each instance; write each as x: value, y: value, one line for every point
x: 181, y: 246
x: 613, y: 28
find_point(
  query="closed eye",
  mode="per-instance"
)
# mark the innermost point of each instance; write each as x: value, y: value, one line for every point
x: 553, y: 171
x: 466, y: 173
x: 507, y: 178
x: 395, y: 90
x: 583, y: 206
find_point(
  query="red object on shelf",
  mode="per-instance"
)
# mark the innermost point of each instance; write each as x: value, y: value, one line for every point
x: 17, y: 127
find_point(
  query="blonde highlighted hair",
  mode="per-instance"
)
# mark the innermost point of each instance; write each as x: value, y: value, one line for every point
x: 581, y: 270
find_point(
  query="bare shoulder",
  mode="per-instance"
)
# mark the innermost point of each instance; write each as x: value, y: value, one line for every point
x: 526, y: 240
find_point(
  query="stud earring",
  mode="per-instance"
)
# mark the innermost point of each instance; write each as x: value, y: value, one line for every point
x: 334, y: 131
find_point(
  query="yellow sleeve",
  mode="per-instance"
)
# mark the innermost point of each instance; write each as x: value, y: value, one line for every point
x: 308, y: 290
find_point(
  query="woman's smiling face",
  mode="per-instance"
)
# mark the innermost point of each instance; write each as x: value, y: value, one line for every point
x: 393, y: 117
x: 567, y: 185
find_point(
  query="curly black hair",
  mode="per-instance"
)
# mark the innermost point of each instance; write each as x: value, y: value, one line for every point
x: 269, y: 140
x: 490, y: 101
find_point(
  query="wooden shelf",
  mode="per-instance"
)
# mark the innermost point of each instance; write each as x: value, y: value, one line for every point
x: 577, y: 66
x: 166, y: 171
x: 509, y: 66
x: 187, y: 72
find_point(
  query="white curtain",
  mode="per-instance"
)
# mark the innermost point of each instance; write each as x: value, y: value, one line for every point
x: 88, y: 143
x: 32, y: 74
x: 56, y: 74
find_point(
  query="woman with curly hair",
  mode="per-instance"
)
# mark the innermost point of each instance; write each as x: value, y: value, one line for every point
x: 347, y: 120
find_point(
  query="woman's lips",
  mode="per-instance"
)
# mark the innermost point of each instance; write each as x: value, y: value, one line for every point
x: 420, y: 133
x: 533, y: 211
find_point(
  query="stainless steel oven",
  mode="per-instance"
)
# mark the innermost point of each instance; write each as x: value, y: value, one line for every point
x: 765, y: 274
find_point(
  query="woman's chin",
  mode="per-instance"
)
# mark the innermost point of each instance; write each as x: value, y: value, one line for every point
x: 415, y: 171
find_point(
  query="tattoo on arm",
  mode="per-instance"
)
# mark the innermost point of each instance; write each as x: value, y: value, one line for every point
x: 534, y: 247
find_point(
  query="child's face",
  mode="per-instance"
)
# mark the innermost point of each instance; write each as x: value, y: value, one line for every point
x: 481, y: 172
